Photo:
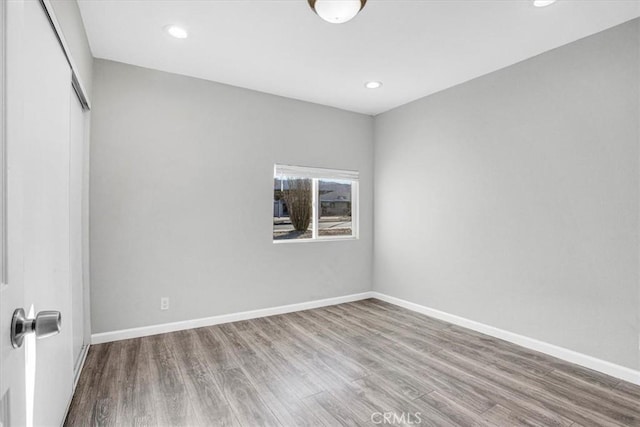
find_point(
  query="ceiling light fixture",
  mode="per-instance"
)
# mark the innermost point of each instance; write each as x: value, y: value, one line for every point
x: 337, y: 11
x: 543, y: 3
x: 177, y: 32
x: 372, y: 85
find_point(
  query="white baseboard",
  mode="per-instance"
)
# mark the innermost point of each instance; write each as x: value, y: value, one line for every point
x: 612, y: 369
x: 617, y: 371
x: 224, y: 318
x: 80, y: 365
x: 76, y: 377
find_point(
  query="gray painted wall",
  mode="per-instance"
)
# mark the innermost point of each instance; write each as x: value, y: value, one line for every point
x: 181, y: 198
x: 513, y: 199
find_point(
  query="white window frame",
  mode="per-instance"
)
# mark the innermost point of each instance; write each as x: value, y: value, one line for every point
x: 316, y: 175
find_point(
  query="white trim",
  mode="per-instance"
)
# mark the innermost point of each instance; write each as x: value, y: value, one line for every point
x: 319, y: 239
x: 355, y: 209
x: 3, y: 147
x: 224, y: 318
x: 80, y: 365
x: 76, y: 79
x: 76, y: 378
x: 289, y: 171
x: 612, y: 369
x: 315, y: 208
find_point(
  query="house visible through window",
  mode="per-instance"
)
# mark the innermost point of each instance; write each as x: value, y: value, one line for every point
x: 314, y: 204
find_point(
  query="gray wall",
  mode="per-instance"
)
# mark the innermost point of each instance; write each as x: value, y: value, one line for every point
x: 512, y: 199
x: 181, y: 198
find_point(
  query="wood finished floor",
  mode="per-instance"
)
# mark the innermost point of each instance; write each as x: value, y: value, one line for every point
x: 340, y: 365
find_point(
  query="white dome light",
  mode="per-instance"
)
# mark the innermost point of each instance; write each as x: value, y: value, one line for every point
x: 372, y: 85
x: 337, y: 11
x: 177, y: 32
x: 543, y: 3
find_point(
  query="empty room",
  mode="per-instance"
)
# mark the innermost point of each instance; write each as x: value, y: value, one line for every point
x: 320, y: 213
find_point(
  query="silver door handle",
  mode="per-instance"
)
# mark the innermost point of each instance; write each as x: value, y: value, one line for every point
x: 46, y: 324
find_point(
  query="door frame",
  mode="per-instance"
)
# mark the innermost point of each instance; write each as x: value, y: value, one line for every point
x: 3, y: 145
x: 81, y: 92
x: 76, y: 80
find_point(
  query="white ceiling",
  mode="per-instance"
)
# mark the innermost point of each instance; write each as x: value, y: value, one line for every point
x: 415, y: 47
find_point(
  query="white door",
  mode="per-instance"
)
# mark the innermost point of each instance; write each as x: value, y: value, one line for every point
x: 37, y: 377
x: 12, y: 362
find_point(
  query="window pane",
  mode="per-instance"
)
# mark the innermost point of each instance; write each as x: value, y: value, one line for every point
x: 334, y: 213
x: 292, y: 207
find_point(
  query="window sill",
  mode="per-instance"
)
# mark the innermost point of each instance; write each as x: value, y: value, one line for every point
x: 318, y: 240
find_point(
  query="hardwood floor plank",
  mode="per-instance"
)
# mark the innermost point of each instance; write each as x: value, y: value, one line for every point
x: 289, y: 410
x: 393, y: 384
x: 482, y: 347
x: 406, y: 364
x: 105, y: 407
x: 594, y: 391
x: 529, y: 393
x: 333, y: 411
x: 143, y: 399
x: 86, y: 390
x: 325, y: 417
x: 395, y: 310
x: 103, y: 413
x: 211, y: 408
x: 501, y: 416
x: 173, y: 405
x: 491, y: 351
x: 377, y: 360
x: 546, y: 362
x: 215, y: 350
x: 266, y: 363
x: 450, y: 409
x: 127, y: 377
x: 245, y: 401
x: 330, y: 355
x: 620, y: 415
x: 277, y: 386
x: 345, y: 346
x: 632, y: 391
x: 480, y: 395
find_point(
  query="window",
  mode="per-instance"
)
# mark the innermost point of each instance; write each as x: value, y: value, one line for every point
x: 314, y: 204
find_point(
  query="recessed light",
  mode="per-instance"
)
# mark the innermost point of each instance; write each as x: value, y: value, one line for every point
x: 337, y: 11
x: 177, y: 32
x: 543, y: 3
x: 372, y: 85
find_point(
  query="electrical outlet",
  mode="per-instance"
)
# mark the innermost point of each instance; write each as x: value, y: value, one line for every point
x: 164, y: 303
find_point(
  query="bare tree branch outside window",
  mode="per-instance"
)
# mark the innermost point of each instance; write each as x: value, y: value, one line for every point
x: 298, y: 198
